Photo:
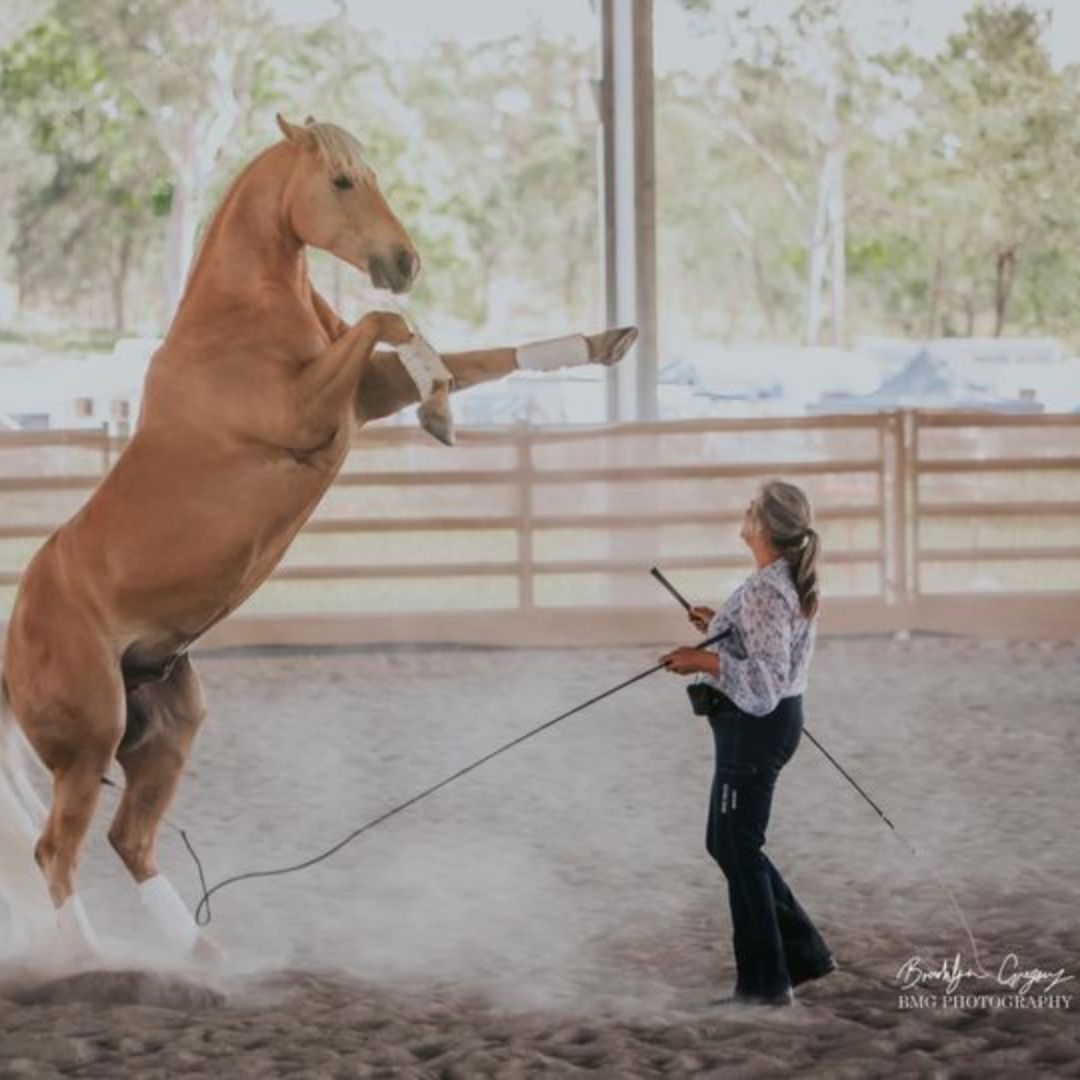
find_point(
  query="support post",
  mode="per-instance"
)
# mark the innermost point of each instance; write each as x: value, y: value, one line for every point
x: 629, y: 194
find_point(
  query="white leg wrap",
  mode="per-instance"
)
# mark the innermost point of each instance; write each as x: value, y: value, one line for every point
x: 169, y: 913
x: 74, y: 927
x: 569, y: 351
x: 424, y: 365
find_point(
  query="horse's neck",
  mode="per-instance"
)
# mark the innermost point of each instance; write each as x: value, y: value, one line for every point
x: 249, y: 255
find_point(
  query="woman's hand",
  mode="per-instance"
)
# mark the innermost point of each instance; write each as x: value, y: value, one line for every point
x: 701, y: 616
x: 687, y: 661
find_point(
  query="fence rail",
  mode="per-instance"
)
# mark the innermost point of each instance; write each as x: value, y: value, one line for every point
x: 935, y: 521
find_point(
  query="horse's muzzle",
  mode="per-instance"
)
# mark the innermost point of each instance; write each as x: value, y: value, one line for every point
x: 395, y: 271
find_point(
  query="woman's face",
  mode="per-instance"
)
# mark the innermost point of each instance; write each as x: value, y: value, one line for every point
x: 749, y: 529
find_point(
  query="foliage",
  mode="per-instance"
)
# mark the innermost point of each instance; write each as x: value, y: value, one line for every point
x: 987, y: 175
x: 79, y: 220
x: 960, y: 203
x: 953, y: 172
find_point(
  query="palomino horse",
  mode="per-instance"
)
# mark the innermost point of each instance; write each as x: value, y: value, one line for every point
x: 247, y: 415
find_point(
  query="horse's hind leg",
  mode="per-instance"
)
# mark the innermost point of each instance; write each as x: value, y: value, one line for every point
x: 65, y: 691
x: 164, y: 717
x: 75, y: 793
x: 385, y: 386
x: 77, y: 745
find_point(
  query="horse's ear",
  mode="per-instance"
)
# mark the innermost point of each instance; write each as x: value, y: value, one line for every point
x: 298, y: 135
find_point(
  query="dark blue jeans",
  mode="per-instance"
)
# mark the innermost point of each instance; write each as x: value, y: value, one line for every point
x: 776, y: 944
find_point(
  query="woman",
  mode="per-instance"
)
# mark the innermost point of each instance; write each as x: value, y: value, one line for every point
x: 751, y: 683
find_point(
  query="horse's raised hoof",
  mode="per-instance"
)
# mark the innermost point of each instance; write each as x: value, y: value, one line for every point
x: 436, y: 419
x: 610, y: 346
x: 207, y: 955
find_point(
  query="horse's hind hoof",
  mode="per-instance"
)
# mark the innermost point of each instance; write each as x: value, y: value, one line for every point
x: 207, y: 955
x: 73, y: 942
x: 609, y: 347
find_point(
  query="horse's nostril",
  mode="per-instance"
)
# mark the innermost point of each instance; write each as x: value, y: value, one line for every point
x: 406, y: 263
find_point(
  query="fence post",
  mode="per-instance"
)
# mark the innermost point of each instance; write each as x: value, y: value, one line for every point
x: 912, y: 442
x: 523, y: 445
x: 106, y: 449
x: 901, y: 466
x: 885, y: 422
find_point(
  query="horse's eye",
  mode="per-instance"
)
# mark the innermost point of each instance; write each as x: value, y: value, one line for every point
x: 343, y: 182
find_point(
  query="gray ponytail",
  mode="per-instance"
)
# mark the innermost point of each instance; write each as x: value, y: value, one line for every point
x: 783, y: 511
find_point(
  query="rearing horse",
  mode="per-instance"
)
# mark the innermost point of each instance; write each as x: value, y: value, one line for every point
x: 248, y: 412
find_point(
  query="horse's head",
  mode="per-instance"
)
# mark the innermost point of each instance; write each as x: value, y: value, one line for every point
x: 334, y: 203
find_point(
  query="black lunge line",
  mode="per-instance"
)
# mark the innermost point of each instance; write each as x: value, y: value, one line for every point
x: 851, y: 780
x: 202, y: 912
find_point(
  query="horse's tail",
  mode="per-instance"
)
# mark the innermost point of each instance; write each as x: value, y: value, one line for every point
x: 22, y: 815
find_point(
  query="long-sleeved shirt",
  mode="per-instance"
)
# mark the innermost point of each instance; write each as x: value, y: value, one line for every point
x: 767, y: 655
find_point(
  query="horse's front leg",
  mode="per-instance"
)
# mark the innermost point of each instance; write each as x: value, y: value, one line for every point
x: 385, y: 387
x: 326, y: 384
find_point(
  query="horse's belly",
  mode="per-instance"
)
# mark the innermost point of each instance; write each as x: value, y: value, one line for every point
x: 201, y: 583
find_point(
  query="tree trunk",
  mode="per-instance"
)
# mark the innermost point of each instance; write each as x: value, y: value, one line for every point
x: 121, y: 268
x: 1003, y: 282
x: 761, y: 282
x: 934, y: 315
x: 839, y: 254
x: 816, y: 253
x: 179, y: 244
x: 826, y: 243
x: 827, y: 258
x: 825, y: 248
x: 751, y: 247
x: 192, y: 157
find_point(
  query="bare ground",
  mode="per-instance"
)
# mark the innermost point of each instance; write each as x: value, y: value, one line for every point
x: 555, y: 912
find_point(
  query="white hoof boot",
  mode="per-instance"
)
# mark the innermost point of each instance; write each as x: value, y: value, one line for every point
x: 169, y: 914
x: 573, y: 350
x: 433, y: 380
x: 569, y: 351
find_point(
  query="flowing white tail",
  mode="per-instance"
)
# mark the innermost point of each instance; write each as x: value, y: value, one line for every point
x: 22, y: 815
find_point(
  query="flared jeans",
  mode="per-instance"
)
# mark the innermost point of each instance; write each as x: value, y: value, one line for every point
x: 776, y: 944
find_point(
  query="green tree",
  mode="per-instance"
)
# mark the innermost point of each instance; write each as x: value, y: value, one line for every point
x: 83, y: 216
x: 505, y: 145
x: 989, y: 167
x: 773, y: 132
x: 923, y: 194
x: 190, y: 66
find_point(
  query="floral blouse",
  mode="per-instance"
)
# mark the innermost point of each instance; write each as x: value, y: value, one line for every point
x: 767, y: 655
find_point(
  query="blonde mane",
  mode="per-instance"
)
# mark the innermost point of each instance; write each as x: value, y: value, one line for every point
x: 342, y: 152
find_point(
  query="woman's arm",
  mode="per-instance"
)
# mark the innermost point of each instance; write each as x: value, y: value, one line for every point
x: 688, y: 661
x: 757, y: 682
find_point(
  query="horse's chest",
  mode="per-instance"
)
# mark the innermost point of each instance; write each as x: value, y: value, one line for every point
x: 297, y: 482
x: 320, y: 463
